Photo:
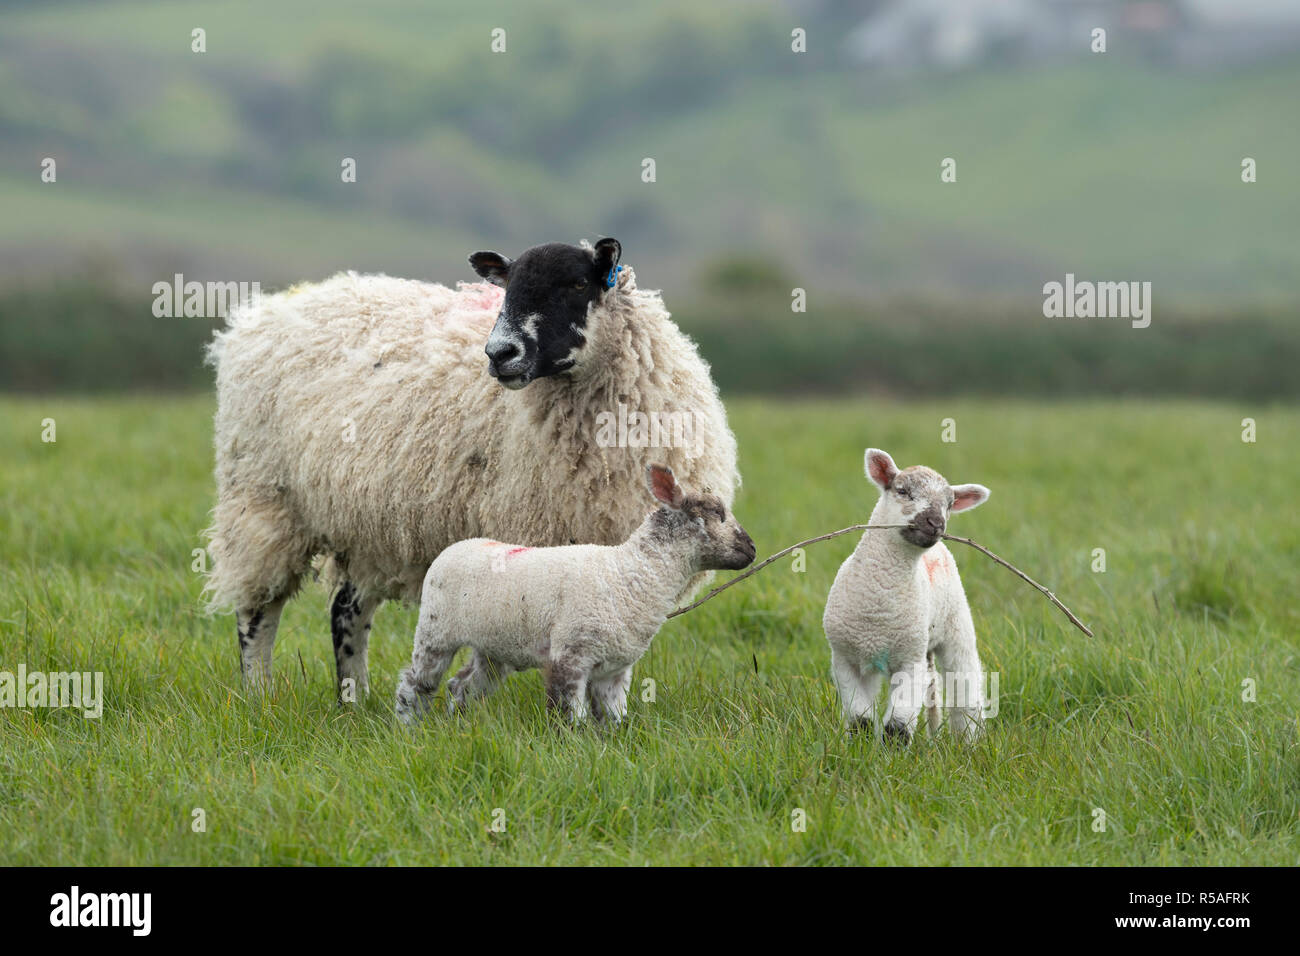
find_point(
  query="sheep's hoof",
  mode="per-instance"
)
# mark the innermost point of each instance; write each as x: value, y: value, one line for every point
x: 897, y: 734
x: 860, y: 725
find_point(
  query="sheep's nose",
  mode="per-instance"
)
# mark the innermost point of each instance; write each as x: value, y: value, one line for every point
x: 932, y: 524
x: 502, y: 351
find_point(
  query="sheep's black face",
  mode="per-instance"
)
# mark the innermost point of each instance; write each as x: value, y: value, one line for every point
x: 542, y: 327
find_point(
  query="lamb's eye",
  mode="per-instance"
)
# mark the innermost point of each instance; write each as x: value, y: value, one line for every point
x: 903, y: 493
x: 580, y: 285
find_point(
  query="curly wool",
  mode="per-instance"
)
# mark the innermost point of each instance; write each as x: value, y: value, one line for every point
x: 356, y: 420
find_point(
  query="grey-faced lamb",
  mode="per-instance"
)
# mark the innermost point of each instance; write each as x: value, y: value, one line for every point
x: 584, y: 614
x: 897, y: 605
x: 359, y: 425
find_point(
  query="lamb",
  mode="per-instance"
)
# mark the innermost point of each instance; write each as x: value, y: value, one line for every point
x: 583, y: 613
x: 355, y: 430
x: 897, y: 604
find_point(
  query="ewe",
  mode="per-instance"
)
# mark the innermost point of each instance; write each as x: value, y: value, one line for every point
x: 583, y: 613
x: 357, y: 419
x: 897, y: 604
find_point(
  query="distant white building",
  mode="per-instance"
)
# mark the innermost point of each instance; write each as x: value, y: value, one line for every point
x: 925, y: 35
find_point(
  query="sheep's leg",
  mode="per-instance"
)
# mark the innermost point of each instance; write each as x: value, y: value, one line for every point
x: 608, y: 697
x: 478, y: 678
x: 256, y: 628
x: 963, y: 681
x: 350, y: 618
x: 419, y: 682
x: 906, y: 695
x: 566, y: 688
x: 933, y: 696
x: 857, y: 690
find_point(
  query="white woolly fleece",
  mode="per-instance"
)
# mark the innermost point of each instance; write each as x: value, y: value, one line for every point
x: 356, y: 419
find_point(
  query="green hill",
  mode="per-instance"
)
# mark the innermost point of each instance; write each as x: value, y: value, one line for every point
x: 226, y: 163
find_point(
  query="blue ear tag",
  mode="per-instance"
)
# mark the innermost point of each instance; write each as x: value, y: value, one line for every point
x: 611, y: 277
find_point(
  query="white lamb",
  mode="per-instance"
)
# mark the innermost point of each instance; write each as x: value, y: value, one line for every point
x: 583, y: 613
x: 360, y: 419
x: 897, y: 604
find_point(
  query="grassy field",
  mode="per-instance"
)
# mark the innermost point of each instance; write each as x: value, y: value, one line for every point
x: 1146, y: 722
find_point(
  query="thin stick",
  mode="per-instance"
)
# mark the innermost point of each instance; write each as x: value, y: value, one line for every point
x: 776, y: 557
x: 883, y: 527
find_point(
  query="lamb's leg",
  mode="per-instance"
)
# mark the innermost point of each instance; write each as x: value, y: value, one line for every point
x: 566, y: 687
x: 350, y: 618
x: 858, y: 690
x: 963, y: 679
x: 906, y: 695
x: 478, y: 678
x: 933, y: 696
x: 608, y: 697
x: 256, y: 628
x: 419, y: 682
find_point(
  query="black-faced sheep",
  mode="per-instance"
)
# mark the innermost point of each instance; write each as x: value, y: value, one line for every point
x: 355, y: 421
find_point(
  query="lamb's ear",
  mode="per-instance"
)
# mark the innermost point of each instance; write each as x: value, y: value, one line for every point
x: 880, y: 468
x: 663, y: 485
x: 491, y: 266
x: 966, y: 497
x: 607, y: 253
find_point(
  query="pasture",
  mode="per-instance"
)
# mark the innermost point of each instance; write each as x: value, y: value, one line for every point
x: 1196, y: 610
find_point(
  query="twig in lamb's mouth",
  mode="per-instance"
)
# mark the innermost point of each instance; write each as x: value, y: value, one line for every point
x: 882, y: 527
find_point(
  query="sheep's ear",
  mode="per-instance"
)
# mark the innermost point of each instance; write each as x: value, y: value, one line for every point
x: 491, y: 266
x: 607, y: 253
x: 880, y: 468
x: 966, y: 497
x: 663, y: 485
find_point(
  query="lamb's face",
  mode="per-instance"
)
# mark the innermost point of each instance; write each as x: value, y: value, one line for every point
x: 918, y: 498
x: 550, y: 290
x: 922, y: 500
x: 701, y: 521
x: 723, y: 544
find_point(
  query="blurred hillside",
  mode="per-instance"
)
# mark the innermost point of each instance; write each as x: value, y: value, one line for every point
x: 820, y: 168
x: 227, y: 162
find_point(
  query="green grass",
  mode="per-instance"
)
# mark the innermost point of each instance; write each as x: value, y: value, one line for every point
x: 1146, y: 721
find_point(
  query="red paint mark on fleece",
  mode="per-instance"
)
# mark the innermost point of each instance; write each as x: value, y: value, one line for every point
x: 480, y: 295
x: 933, y: 566
x: 514, y: 551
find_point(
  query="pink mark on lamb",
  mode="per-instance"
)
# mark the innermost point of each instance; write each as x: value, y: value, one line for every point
x: 934, y: 567
x: 513, y: 552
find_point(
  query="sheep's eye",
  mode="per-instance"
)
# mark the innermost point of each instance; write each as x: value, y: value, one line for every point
x: 903, y: 493
x: 580, y: 285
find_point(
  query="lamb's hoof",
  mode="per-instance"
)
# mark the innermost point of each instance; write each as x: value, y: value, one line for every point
x: 860, y: 725
x: 897, y: 734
